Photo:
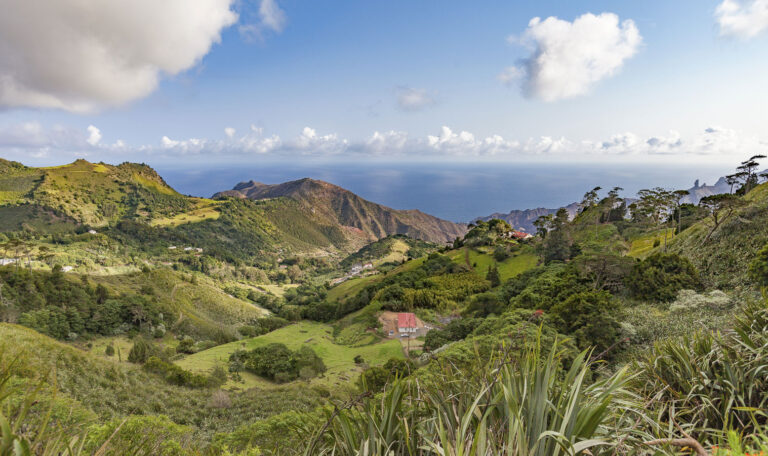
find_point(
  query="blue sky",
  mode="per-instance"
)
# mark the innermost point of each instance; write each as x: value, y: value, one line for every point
x: 317, y: 79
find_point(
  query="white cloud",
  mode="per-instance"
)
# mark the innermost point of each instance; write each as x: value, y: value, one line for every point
x: 411, y: 99
x: 465, y: 143
x: 568, y: 58
x: 271, y: 15
x: 742, y: 18
x: 32, y: 140
x: 94, y: 135
x: 84, y: 55
x: 310, y: 142
x: 271, y: 18
x: 230, y: 132
x: 390, y: 141
x: 511, y: 75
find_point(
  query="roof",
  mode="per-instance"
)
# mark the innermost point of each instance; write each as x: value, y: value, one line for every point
x: 406, y: 320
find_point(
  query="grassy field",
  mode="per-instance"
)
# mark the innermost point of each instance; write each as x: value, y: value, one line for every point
x: 512, y: 266
x: 205, y: 210
x: 642, y: 246
x: 339, y: 359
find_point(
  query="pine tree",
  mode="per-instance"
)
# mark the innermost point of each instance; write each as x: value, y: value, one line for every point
x: 493, y: 276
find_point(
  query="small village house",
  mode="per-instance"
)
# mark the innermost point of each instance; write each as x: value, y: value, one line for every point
x: 406, y: 324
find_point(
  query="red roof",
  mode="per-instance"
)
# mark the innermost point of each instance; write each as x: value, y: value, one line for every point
x: 406, y: 320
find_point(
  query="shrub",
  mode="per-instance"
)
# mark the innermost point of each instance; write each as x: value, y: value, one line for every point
x: 140, y: 351
x: 277, y: 362
x: 186, y: 346
x: 219, y: 400
x: 758, y: 269
x: 110, y: 350
x: 661, y: 276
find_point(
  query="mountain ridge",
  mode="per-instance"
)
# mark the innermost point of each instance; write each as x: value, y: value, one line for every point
x: 333, y: 203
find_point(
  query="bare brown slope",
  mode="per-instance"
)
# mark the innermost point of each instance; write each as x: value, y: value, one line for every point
x: 334, y: 204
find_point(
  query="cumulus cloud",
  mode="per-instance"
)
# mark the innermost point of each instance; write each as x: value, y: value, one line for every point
x: 465, y: 143
x: 270, y: 18
x: 81, y: 56
x: 411, y: 99
x: 568, y: 58
x: 230, y: 132
x: 94, y: 135
x: 390, y: 141
x: 32, y: 140
x: 742, y: 19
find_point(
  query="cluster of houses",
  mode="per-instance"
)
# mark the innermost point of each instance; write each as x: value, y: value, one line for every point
x: 355, y: 270
x: 187, y: 249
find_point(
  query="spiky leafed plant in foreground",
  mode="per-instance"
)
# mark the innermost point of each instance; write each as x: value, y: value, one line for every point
x: 522, y: 404
x: 712, y: 383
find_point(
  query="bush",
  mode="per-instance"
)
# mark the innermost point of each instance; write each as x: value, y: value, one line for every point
x: 186, y: 346
x: 140, y: 351
x: 219, y: 400
x: 110, y: 350
x: 277, y: 362
x: 661, y: 276
x: 758, y: 269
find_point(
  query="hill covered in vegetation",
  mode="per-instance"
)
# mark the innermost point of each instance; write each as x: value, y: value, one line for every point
x: 336, y: 205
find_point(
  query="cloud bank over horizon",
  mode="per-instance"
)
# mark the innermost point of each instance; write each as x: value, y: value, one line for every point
x: 32, y: 141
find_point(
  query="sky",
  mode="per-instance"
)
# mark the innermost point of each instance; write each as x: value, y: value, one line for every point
x: 433, y: 81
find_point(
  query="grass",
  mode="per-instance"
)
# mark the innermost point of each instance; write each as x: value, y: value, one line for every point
x: 206, y: 210
x: 512, y: 266
x: 352, y: 287
x: 643, y: 246
x: 277, y: 290
x: 339, y: 359
x: 199, y: 309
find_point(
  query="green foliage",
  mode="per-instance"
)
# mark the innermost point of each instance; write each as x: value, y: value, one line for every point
x: 660, y: 276
x: 277, y: 362
x: 758, y: 269
x: 712, y: 380
x: 515, y: 408
x: 175, y: 375
x: 375, y: 378
x: 455, y: 330
x: 141, y: 351
x: 493, y: 276
x: 486, y: 233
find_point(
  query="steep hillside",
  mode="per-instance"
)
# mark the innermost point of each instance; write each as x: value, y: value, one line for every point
x: 335, y: 205
x: 94, y: 194
x: 724, y: 258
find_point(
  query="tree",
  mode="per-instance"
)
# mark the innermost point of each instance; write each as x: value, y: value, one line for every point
x: 493, y: 276
x: 589, y: 199
x: 747, y: 173
x: 543, y: 225
x: 678, y: 196
x: 720, y: 208
x: 557, y: 246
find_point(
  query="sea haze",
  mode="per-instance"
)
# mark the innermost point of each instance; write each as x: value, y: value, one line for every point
x: 457, y: 192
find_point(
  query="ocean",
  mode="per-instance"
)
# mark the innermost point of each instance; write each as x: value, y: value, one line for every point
x: 453, y: 191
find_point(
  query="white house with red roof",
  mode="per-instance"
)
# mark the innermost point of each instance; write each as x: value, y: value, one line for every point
x: 406, y: 324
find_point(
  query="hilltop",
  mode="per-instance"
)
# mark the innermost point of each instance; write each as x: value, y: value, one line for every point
x: 335, y: 205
